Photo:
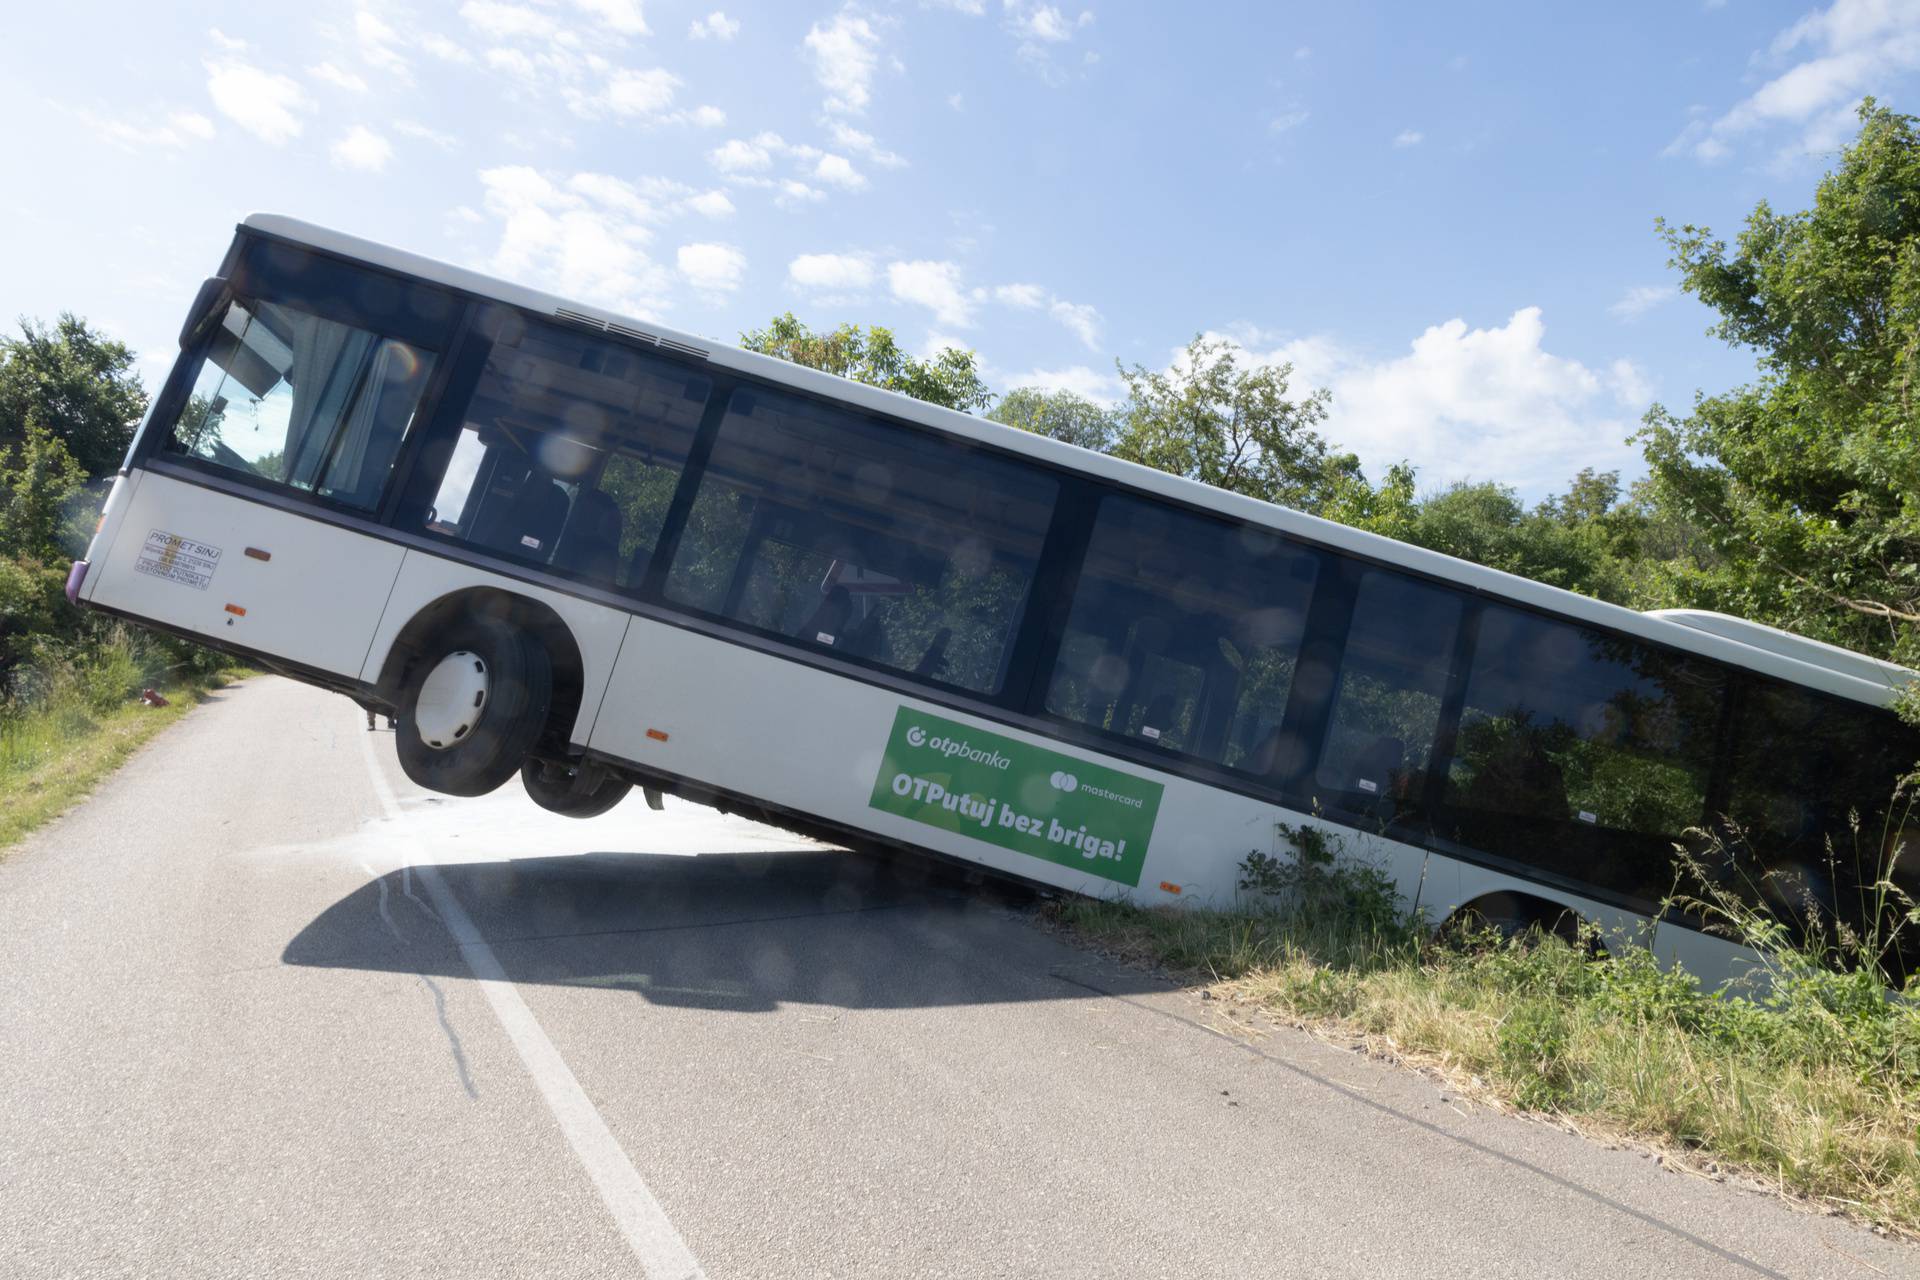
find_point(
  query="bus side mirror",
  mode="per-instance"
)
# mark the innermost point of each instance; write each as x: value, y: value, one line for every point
x: 207, y: 307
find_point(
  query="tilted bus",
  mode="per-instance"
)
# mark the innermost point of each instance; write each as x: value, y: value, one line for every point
x: 597, y: 553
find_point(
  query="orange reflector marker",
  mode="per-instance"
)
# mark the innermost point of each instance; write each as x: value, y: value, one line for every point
x: 658, y: 735
x: 1169, y: 887
x: 100, y: 524
x: 256, y: 553
x: 236, y: 611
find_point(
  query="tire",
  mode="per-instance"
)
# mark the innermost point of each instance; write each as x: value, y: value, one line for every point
x: 552, y: 787
x: 486, y: 687
x: 1512, y: 918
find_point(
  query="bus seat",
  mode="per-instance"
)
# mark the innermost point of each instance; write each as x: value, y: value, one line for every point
x: 829, y: 620
x: 590, y: 544
x: 526, y: 522
x: 1382, y: 764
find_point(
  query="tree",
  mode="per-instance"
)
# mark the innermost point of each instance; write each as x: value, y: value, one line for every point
x: 77, y: 384
x: 1210, y: 420
x: 1806, y: 484
x: 1058, y: 415
x: 39, y: 481
x: 870, y: 355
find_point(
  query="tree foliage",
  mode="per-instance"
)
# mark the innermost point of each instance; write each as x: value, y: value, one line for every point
x: 1805, y: 485
x: 77, y: 384
x: 1209, y: 419
x: 1059, y: 415
x: 39, y: 484
x: 871, y: 355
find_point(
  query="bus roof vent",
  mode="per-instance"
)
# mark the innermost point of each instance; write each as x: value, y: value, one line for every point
x: 1788, y: 645
x: 628, y: 331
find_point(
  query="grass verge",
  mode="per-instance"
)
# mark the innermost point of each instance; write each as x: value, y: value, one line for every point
x: 1812, y: 1088
x: 57, y: 749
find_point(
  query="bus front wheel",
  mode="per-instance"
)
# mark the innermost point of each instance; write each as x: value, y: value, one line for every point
x: 565, y: 790
x: 473, y: 707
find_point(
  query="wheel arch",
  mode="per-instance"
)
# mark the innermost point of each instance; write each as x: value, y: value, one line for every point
x: 524, y: 612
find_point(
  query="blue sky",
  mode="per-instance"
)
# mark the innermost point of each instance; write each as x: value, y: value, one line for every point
x: 1444, y: 213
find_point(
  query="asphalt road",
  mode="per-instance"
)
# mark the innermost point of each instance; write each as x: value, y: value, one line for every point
x: 266, y: 1009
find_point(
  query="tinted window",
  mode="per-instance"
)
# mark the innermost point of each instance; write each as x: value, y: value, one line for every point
x: 1806, y: 768
x: 1582, y: 753
x: 568, y: 453
x: 863, y: 539
x: 1184, y: 633
x: 1388, y: 694
x: 314, y: 404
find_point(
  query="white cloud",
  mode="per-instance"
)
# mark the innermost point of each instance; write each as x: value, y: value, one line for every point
x: 444, y: 49
x: 934, y: 285
x: 1303, y: 53
x: 832, y: 272
x: 1029, y: 297
x: 378, y: 43
x: 845, y: 54
x: 958, y: 101
x: 972, y: 8
x: 737, y: 155
x: 499, y: 21
x: 1081, y: 320
x: 264, y: 103
x: 1844, y: 51
x: 711, y: 204
x: 795, y: 194
x: 620, y: 16
x: 640, y: 93
x: 224, y: 41
x: 1409, y: 138
x: 1287, y: 121
x: 423, y: 133
x: 715, y: 26
x: 1039, y: 29
x: 1640, y: 299
x: 855, y: 140
x: 1091, y: 384
x: 1465, y: 403
x: 584, y: 239
x: 363, y: 149
x: 327, y: 73
x: 839, y: 171
x: 711, y: 268
x: 176, y: 129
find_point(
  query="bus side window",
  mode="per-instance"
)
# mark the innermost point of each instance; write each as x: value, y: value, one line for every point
x: 849, y: 535
x: 1184, y: 633
x: 569, y: 452
x: 1387, y: 697
x: 1580, y: 752
x: 1805, y: 769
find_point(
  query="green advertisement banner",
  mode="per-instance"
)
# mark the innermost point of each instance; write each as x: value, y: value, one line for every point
x: 1018, y: 796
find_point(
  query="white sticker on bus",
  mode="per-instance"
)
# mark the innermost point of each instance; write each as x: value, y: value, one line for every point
x: 177, y: 559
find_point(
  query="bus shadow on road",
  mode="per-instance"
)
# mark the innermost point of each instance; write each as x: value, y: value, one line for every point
x: 746, y: 932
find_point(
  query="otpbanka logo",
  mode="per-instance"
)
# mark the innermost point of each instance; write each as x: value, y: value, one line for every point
x: 951, y: 747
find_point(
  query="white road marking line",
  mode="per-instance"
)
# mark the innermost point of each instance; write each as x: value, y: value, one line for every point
x: 663, y: 1255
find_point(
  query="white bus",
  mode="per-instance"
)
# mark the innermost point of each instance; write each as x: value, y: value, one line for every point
x: 561, y: 543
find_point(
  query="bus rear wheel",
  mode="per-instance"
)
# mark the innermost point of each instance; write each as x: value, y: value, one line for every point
x: 473, y: 707
x: 561, y: 789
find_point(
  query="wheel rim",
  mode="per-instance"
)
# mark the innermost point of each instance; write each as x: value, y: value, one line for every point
x: 452, y: 699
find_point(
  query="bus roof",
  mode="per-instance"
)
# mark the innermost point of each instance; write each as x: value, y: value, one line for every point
x: 1766, y: 650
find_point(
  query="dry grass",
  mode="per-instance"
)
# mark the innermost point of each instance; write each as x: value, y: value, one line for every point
x: 1813, y: 1089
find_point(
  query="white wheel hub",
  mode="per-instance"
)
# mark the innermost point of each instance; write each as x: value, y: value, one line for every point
x: 452, y: 699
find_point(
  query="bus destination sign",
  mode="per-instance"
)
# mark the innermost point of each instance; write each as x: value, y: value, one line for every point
x: 1016, y: 795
